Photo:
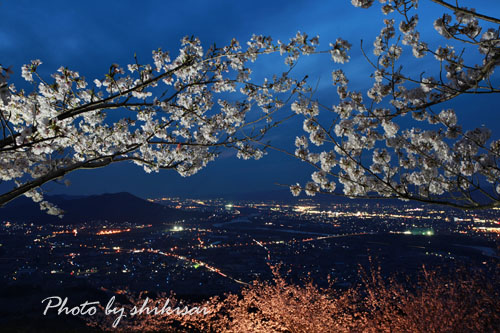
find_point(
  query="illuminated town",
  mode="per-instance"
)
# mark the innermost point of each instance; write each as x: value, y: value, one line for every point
x: 233, y: 242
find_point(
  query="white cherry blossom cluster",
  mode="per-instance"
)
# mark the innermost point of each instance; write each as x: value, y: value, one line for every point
x: 176, y: 113
x: 370, y: 153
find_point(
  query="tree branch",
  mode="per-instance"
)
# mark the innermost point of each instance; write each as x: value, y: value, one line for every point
x: 465, y: 11
x: 5, y: 198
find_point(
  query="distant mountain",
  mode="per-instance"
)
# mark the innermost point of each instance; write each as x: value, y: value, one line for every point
x: 286, y: 196
x: 113, y: 207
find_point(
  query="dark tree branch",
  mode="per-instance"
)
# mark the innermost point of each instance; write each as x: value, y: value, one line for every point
x: 465, y: 11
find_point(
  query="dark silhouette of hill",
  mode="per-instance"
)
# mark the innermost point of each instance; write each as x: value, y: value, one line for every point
x: 113, y: 207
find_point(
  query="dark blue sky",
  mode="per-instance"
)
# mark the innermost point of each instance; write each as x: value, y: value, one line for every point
x: 87, y: 36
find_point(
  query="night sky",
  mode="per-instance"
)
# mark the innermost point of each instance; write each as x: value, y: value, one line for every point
x: 88, y: 36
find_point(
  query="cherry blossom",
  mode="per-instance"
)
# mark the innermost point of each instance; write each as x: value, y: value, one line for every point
x: 433, y: 161
x: 174, y: 114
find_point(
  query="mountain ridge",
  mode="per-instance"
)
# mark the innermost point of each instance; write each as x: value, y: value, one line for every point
x: 114, y: 207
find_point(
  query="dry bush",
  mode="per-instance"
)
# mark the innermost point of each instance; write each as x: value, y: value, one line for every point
x: 278, y: 306
x: 466, y: 301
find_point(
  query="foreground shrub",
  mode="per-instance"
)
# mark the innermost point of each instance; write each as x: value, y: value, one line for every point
x: 466, y: 301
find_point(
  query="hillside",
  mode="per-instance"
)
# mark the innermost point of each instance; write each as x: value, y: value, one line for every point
x: 113, y: 207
